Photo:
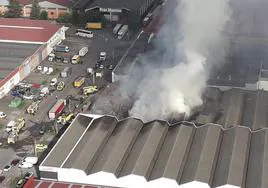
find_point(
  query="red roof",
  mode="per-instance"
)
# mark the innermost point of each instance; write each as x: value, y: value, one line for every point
x: 19, y: 29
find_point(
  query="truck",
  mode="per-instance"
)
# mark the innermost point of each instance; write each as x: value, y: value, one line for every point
x: 57, y: 109
x: 79, y: 81
x: 83, y: 51
x: 122, y: 32
x: 117, y: 28
x: 61, y: 48
x: 15, y: 126
x: 32, y: 109
x: 93, y: 25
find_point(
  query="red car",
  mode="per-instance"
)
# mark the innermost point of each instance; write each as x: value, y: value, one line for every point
x: 15, y: 162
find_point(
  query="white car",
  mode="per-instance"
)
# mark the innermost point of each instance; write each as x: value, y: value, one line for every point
x: 29, y: 97
x: 53, y: 82
x: 2, y: 115
x: 25, y: 165
x: 101, y: 66
x: 103, y: 56
x: 7, y: 168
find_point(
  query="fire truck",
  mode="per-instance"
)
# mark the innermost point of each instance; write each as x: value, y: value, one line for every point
x: 57, y: 109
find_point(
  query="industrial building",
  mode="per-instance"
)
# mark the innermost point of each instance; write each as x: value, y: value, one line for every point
x: 114, y: 10
x: 24, y: 44
x: 101, y: 150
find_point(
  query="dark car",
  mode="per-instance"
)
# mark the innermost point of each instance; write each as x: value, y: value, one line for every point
x: 42, y: 130
x: 2, y: 178
x: 110, y: 67
x: 27, y: 175
x: 15, y: 162
x: 20, y: 183
x: 97, y: 65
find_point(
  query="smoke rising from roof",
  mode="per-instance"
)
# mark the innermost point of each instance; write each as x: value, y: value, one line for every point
x: 192, y: 44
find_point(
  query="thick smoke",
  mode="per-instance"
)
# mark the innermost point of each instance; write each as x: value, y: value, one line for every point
x: 192, y: 44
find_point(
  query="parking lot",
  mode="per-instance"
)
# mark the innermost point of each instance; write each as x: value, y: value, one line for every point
x: 103, y: 40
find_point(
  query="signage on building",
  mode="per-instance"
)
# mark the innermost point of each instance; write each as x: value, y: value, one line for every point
x: 110, y: 10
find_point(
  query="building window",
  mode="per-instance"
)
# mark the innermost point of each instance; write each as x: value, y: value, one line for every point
x: 51, y: 13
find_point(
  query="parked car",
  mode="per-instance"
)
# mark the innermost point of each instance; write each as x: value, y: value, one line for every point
x: 110, y: 67
x: 53, y: 82
x: 60, y: 86
x: 25, y: 165
x: 2, y: 178
x: 20, y: 183
x: 29, y: 97
x: 14, y: 162
x: 42, y: 130
x: 7, y: 168
x: 27, y: 175
x: 41, y: 146
x: 2, y: 115
x: 101, y: 66
x: 102, y: 56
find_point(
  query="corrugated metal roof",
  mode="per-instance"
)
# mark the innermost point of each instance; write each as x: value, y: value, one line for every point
x: 179, y: 153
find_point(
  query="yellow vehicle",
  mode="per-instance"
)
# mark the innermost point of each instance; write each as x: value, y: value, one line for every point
x: 19, y: 125
x: 93, y: 25
x: 41, y: 146
x: 79, y: 81
x: 90, y: 90
x: 76, y: 59
x: 32, y: 109
x: 65, y: 118
x: 60, y: 86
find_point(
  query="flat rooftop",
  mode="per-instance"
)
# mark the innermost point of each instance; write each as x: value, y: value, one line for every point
x: 12, y: 55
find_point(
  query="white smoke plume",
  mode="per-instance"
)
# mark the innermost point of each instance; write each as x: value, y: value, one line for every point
x: 194, y: 44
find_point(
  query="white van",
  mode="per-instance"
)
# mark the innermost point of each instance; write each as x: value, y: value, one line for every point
x: 83, y: 51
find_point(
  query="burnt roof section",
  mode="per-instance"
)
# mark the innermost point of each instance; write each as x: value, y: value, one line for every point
x: 181, y: 153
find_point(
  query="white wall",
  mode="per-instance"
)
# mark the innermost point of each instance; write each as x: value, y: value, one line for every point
x: 56, y: 39
x: 263, y: 85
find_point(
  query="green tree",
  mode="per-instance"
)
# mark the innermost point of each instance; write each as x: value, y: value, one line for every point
x: 64, y: 18
x: 35, y: 13
x: 75, y: 17
x: 43, y: 15
x: 14, y: 9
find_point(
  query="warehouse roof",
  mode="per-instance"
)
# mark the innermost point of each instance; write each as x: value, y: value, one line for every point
x: 26, y: 30
x: 12, y: 55
x: 159, y: 153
